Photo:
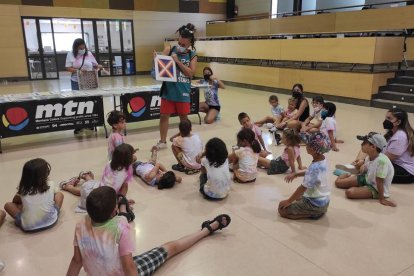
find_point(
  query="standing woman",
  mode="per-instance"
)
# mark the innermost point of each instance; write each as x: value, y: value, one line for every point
x: 302, y: 105
x: 79, y: 59
x: 175, y: 96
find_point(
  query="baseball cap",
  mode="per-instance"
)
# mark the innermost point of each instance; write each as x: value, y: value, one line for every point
x: 374, y: 138
x: 317, y: 141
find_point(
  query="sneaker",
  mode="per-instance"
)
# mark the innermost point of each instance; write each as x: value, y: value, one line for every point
x: 269, y: 125
x: 278, y: 138
x: 218, y: 117
x: 161, y: 145
x: 339, y: 172
x: 348, y: 168
x: 178, y: 167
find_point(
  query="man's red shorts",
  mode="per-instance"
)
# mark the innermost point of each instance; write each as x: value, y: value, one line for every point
x: 171, y: 107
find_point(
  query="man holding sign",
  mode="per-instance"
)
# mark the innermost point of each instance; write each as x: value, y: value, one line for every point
x: 175, y: 95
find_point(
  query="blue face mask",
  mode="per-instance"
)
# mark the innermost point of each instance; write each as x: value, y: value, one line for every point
x: 181, y: 50
x: 324, y: 114
x: 81, y: 52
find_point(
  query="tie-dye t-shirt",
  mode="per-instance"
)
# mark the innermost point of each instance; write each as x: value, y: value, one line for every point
x: 39, y: 210
x: 102, y: 245
x: 114, y: 140
x: 114, y: 178
x: 317, y: 183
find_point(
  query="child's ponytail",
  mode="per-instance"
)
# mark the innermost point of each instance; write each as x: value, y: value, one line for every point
x: 256, y: 146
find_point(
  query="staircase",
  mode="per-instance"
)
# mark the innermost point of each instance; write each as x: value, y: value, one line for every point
x: 399, y: 92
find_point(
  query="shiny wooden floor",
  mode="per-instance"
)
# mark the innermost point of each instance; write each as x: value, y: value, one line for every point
x: 359, y: 237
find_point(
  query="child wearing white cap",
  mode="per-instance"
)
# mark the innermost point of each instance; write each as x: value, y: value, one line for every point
x: 376, y: 173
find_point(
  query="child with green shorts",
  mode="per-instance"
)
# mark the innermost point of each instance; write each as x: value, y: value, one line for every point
x: 376, y: 173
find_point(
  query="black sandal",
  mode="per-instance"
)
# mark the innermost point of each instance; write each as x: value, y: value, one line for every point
x: 178, y: 167
x: 219, y: 218
x: 122, y: 200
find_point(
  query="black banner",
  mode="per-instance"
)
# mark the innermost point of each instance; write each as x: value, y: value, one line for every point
x: 141, y: 106
x: 40, y: 116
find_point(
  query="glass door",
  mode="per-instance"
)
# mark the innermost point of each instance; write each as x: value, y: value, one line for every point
x: 128, y: 47
x: 116, y: 49
x: 40, y: 48
x: 48, y: 49
x: 103, y: 47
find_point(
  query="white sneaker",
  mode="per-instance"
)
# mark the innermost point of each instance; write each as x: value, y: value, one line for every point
x: 348, y: 168
x: 161, y: 145
x: 272, y: 129
x: 269, y: 125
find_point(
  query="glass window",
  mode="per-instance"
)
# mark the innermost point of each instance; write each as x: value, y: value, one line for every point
x: 47, y: 36
x: 66, y: 31
x: 102, y: 36
x: 127, y: 36
x: 88, y: 35
x: 30, y: 32
x: 115, y: 36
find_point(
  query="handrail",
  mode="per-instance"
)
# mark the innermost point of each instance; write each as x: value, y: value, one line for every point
x: 295, y: 13
x: 400, y: 32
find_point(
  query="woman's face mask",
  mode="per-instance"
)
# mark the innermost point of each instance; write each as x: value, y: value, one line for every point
x: 206, y: 77
x: 387, y: 124
x: 81, y: 51
x: 296, y: 94
x: 181, y: 50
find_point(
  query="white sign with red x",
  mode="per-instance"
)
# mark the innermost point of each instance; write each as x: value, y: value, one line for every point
x: 165, y: 69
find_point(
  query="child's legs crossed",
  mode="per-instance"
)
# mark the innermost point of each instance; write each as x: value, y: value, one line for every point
x: 15, y: 207
x: 302, y: 209
x: 346, y: 181
x: 360, y: 193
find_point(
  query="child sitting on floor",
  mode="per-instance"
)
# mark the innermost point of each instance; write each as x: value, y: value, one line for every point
x: 103, y: 244
x: 245, y: 156
x: 286, y: 115
x: 311, y: 199
x: 154, y: 173
x: 290, y: 154
x: 37, y: 204
x: 328, y: 126
x: 277, y: 113
x: 376, y: 172
x: 307, y: 125
x: 186, y: 146
x: 215, y: 176
x: 246, y: 123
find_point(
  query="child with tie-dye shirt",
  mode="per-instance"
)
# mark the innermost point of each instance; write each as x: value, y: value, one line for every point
x: 104, y: 243
x: 311, y: 198
x: 37, y: 204
x: 116, y: 119
x: 117, y: 174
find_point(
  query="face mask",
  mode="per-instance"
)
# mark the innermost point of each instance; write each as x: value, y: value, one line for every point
x: 324, y: 114
x: 317, y: 108
x: 206, y: 77
x: 387, y: 124
x: 81, y: 52
x: 181, y: 50
x: 296, y: 94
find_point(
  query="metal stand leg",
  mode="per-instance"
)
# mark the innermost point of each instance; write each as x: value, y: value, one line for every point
x: 199, y: 118
x: 106, y: 131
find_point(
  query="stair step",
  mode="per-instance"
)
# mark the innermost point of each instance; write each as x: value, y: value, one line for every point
x: 395, y: 96
x: 388, y: 104
x: 408, y: 72
x: 402, y: 80
x: 398, y: 88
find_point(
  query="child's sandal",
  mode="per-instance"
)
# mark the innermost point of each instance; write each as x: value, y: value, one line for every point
x: 72, y: 180
x: 219, y: 218
x: 83, y: 173
x: 122, y: 200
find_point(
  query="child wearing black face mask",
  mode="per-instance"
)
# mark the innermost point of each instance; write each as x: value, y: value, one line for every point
x: 212, y: 104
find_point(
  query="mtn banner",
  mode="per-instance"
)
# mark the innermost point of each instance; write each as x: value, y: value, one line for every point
x: 41, y: 116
